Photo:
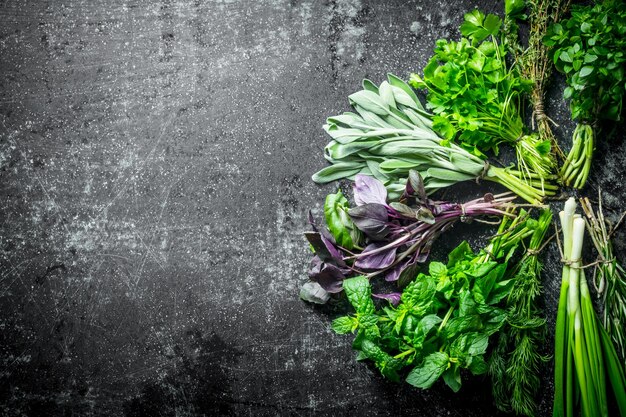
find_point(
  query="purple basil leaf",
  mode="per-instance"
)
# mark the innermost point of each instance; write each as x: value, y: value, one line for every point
x: 325, y: 233
x: 403, y: 210
x: 422, y: 257
x: 423, y: 252
x: 368, y: 190
x: 325, y: 249
x: 371, y: 219
x: 394, y: 273
x: 330, y: 278
x: 393, y: 298
x: 316, y: 266
x: 409, y: 272
x: 378, y: 260
x: 416, y: 184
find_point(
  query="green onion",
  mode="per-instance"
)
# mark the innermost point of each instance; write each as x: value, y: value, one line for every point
x: 584, y: 356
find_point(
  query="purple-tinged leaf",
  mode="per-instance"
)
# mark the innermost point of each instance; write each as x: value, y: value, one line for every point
x: 314, y: 293
x: 422, y: 257
x: 378, y: 260
x: 329, y: 277
x: 409, y: 272
x: 422, y: 253
x: 394, y: 273
x: 393, y: 298
x: 415, y: 186
x: 422, y: 213
x: 325, y: 249
x: 316, y: 266
x: 323, y: 231
x: 371, y: 219
x: 368, y: 190
x: 403, y: 210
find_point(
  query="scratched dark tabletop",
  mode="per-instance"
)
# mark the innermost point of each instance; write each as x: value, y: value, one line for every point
x: 155, y: 163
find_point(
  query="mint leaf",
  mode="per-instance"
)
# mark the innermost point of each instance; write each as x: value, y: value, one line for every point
x: 478, y: 366
x: 343, y: 325
x: 478, y: 343
x: 359, y: 294
x: 452, y: 378
x: 424, y: 376
x: 420, y: 292
x: 387, y: 364
x: 500, y: 290
x: 459, y: 253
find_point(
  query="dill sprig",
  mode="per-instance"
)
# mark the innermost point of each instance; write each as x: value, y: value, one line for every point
x: 516, y: 361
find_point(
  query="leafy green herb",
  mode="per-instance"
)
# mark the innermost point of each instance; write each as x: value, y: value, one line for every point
x: 609, y: 275
x: 386, y: 138
x: 585, y: 358
x: 339, y: 223
x: 515, y: 364
x: 589, y: 48
x: 445, y: 319
x: 475, y: 97
x: 534, y: 62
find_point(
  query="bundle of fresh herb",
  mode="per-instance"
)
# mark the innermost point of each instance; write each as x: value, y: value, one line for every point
x: 443, y: 321
x: 534, y: 62
x: 609, y: 277
x: 515, y: 364
x: 585, y: 358
x: 589, y: 49
x: 471, y: 91
x: 391, y: 134
x: 390, y: 239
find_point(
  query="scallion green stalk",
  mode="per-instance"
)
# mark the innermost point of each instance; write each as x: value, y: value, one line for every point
x: 584, y: 357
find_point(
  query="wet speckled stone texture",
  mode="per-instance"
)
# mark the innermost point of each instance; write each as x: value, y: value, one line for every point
x: 155, y: 159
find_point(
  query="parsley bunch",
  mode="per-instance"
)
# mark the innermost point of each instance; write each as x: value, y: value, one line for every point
x: 589, y: 48
x: 443, y: 321
x: 476, y: 98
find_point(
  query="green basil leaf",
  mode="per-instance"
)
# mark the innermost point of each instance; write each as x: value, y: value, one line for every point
x: 337, y: 220
x: 425, y: 375
x: 459, y: 253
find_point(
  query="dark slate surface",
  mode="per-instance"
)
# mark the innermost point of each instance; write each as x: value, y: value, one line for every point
x: 154, y: 180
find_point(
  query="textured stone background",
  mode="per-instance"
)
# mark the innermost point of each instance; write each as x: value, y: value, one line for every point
x: 155, y: 159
